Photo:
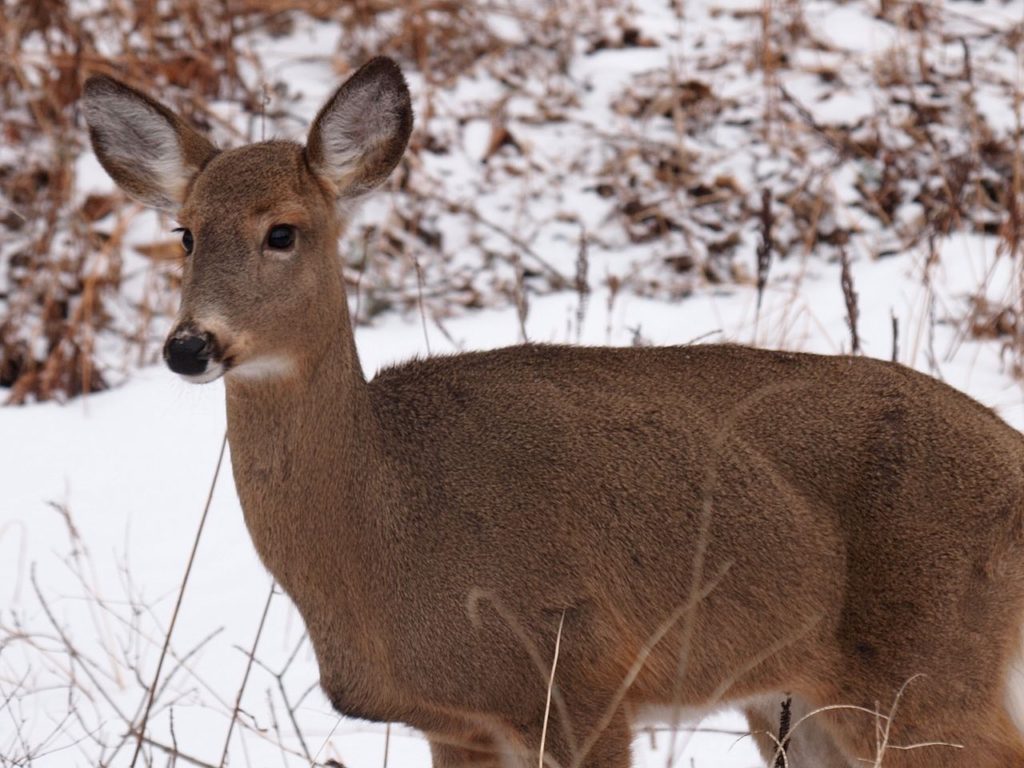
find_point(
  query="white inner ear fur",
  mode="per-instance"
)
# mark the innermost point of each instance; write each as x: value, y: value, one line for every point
x: 264, y: 367
x: 134, y: 134
x: 355, y: 128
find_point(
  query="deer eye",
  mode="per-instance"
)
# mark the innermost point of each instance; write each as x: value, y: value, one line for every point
x: 281, y: 237
x: 186, y: 239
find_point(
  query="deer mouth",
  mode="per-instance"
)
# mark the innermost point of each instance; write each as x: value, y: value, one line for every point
x: 214, y: 370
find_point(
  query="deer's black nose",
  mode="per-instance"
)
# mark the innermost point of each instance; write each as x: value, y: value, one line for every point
x: 188, y: 354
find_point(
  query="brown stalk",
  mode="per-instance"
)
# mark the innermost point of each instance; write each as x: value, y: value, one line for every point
x: 850, y: 296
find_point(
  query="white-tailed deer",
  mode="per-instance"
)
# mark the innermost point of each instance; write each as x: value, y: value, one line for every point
x: 708, y: 525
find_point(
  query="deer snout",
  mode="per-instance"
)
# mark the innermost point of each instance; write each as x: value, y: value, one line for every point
x: 192, y: 354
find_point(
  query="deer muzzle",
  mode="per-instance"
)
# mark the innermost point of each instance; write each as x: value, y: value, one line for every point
x: 193, y: 354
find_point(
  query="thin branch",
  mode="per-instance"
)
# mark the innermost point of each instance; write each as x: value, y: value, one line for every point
x: 177, y: 606
x: 245, y: 677
x: 551, y: 685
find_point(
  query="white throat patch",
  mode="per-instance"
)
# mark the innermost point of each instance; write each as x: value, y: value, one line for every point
x: 264, y: 367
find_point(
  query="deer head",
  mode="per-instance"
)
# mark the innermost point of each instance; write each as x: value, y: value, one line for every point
x: 259, y: 225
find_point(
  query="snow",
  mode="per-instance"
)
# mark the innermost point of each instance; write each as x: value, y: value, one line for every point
x: 848, y: 27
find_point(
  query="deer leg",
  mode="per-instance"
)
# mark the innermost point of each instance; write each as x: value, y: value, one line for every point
x: 961, y: 739
x: 477, y: 751
x: 607, y: 746
x: 450, y: 755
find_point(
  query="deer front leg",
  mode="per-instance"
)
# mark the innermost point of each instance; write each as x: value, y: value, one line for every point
x: 601, y: 744
x: 453, y: 751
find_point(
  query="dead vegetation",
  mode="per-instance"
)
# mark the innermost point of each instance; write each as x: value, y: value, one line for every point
x: 76, y: 679
x: 63, y: 264
x: 523, y: 139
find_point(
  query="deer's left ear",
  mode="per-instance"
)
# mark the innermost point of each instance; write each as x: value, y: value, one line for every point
x: 148, y: 150
x: 362, y: 131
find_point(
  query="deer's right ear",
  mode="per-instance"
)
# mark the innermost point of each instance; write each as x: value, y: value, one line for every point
x: 361, y: 132
x: 149, y: 151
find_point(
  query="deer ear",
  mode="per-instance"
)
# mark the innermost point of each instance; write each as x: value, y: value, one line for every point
x: 362, y: 131
x: 149, y: 151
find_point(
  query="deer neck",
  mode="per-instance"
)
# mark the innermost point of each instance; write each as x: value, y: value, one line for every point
x: 306, y: 457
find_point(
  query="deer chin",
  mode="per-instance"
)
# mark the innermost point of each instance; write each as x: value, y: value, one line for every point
x: 214, y: 370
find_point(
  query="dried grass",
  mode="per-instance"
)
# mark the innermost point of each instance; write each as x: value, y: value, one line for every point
x: 926, y: 163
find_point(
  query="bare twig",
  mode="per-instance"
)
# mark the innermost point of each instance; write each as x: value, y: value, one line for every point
x: 895, y: 337
x: 764, y: 251
x: 141, y: 730
x: 521, y: 300
x: 551, y: 686
x: 850, y: 296
x: 419, y: 300
x: 581, y: 283
x: 245, y: 677
x: 781, y: 758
